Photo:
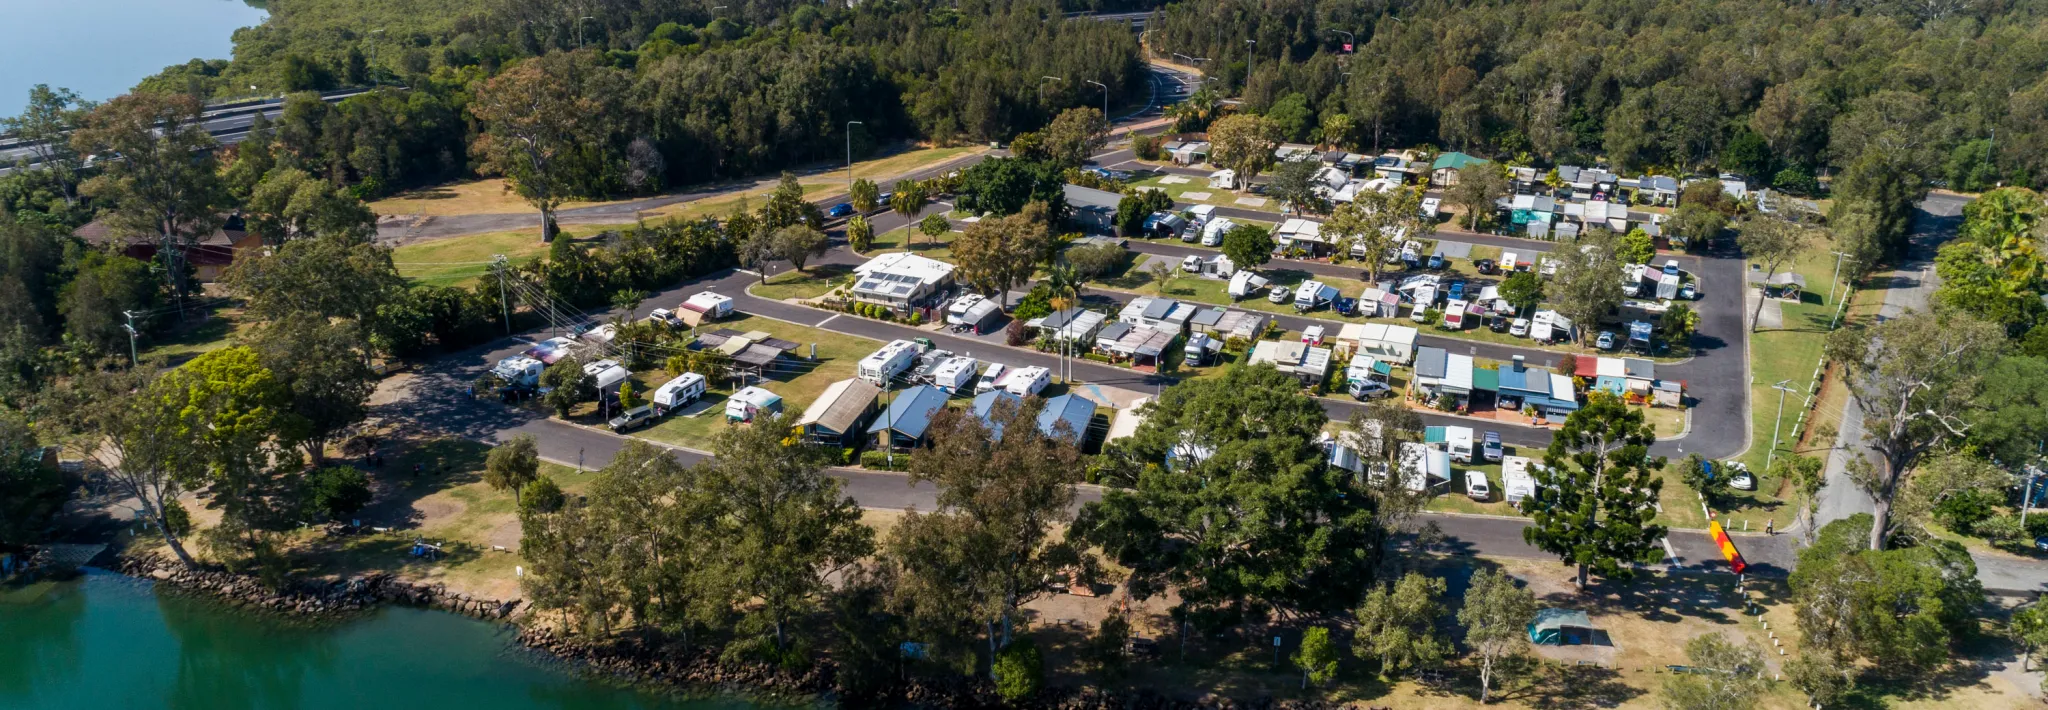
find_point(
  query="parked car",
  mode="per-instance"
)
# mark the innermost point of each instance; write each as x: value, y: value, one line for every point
x: 1520, y: 328
x: 2041, y: 543
x: 632, y: 419
x: 1192, y: 264
x: 1437, y: 261
x: 1456, y: 292
x: 1366, y: 390
x: 1486, y: 266
x: 1281, y: 294
x: 843, y: 209
x: 1689, y: 292
x: 1497, y: 324
x: 1489, y: 446
x: 1606, y: 340
x: 1742, y: 481
x: 882, y: 200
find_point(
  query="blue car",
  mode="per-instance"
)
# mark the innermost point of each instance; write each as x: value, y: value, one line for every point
x: 882, y: 200
x: 843, y: 209
x: 1457, y: 291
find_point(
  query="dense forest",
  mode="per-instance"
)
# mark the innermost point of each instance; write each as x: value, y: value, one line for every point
x: 1950, y: 91
x: 759, y: 86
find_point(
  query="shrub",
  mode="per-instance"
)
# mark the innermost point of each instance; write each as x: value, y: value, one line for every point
x: 336, y: 492
x: 848, y: 456
x: 879, y: 461
x: 1019, y: 670
x: 916, y: 318
x: 1964, y: 510
x: 1016, y: 334
x: 541, y: 495
x: 1146, y: 147
x: 2002, y: 529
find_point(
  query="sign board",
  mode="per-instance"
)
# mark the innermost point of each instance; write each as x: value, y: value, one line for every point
x: 1727, y: 546
x: 1347, y: 47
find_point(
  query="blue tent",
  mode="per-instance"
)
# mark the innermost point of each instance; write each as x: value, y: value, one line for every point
x: 1561, y: 627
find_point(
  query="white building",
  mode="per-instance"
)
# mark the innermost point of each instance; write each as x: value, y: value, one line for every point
x: 900, y: 280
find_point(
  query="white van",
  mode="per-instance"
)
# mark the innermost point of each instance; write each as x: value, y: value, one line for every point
x: 990, y: 377
x: 1476, y: 487
x: 678, y: 393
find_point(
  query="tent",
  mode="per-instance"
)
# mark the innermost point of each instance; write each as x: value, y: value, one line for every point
x: 1561, y: 627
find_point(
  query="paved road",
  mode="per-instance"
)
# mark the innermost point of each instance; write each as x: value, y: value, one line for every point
x: 1906, y: 289
x: 228, y: 123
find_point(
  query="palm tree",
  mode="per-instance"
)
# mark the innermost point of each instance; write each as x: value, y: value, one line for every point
x: 1064, y: 285
x: 910, y: 199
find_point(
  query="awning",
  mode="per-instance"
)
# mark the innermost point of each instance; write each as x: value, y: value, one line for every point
x: 1486, y: 379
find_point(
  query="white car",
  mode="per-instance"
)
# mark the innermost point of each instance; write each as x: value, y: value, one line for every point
x: 1281, y: 294
x: 1519, y: 328
x: 1192, y: 264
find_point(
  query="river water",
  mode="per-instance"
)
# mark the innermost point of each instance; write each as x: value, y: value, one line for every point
x: 102, y: 48
x: 110, y: 641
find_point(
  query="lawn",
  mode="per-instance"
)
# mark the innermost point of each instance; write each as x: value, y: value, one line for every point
x: 817, y: 281
x: 492, y: 196
x: 799, y: 383
x: 1790, y: 354
x: 1205, y: 194
x: 907, y: 239
x: 461, y: 261
x: 209, y: 330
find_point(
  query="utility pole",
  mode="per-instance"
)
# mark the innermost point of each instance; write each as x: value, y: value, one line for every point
x: 1105, y: 97
x: 1251, y: 52
x: 499, y: 262
x: 1775, y: 424
x: 133, y: 359
x: 849, y: 156
x: 1841, y: 304
x: 2027, y: 501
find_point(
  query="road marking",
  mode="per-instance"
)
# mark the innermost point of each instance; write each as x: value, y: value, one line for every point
x: 747, y: 272
x: 822, y: 323
x: 1670, y: 555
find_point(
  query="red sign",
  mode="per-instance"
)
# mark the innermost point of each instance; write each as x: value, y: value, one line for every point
x: 1347, y: 47
x: 1727, y: 547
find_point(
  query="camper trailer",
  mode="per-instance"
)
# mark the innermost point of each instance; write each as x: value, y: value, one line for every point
x: 972, y: 311
x: 1245, y: 283
x: 746, y: 404
x: 1454, y: 314
x: 519, y: 372
x: 1312, y: 295
x: 678, y: 393
x: 704, y: 307
x: 954, y: 374
x: 1517, y: 481
x: 883, y: 365
x: 1027, y: 381
x: 1200, y: 349
x: 608, y: 375
x: 1212, y: 232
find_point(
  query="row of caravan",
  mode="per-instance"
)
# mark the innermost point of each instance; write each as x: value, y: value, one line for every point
x: 912, y: 362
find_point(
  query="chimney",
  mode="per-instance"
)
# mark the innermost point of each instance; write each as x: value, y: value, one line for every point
x: 1518, y: 363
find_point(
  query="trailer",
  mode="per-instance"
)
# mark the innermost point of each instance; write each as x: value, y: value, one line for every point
x: 519, y: 372
x: 1454, y: 314
x: 1027, y: 381
x: 955, y: 374
x: 882, y: 366
x: 973, y: 311
x: 607, y: 374
x: 678, y: 393
x: 746, y: 404
x: 1312, y: 295
x: 1245, y: 283
x: 704, y: 307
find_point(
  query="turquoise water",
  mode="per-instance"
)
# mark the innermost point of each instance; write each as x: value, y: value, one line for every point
x: 109, y: 641
x: 101, y: 48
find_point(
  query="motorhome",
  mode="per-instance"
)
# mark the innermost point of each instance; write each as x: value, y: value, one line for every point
x: 678, y: 393
x: 883, y: 365
x: 990, y: 377
x: 1458, y: 442
x: 1027, y: 381
x: 1212, y: 232
x: 1517, y: 479
x: 519, y: 372
x: 1312, y: 295
x: 1199, y: 349
x: 1454, y: 314
x: 954, y: 374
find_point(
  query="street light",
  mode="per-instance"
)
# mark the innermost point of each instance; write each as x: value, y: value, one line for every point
x: 1775, y: 423
x: 1840, y: 303
x: 849, y: 155
x: 1350, y: 40
x: 1105, y: 97
x: 579, y: 30
x: 1250, y: 53
x: 1041, y: 87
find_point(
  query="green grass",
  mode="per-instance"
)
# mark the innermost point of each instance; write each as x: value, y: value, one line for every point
x: 461, y: 261
x: 818, y: 280
x: 1781, y: 354
x: 217, y: 331
x: 799, y: 384
x: 1218, y: 197
x: 907, y: 239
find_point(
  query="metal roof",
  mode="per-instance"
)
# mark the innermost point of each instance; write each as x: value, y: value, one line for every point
x: 841, y: 406
x: 910, y: 413
x: 1072, y: 409
x: 1429, y: 362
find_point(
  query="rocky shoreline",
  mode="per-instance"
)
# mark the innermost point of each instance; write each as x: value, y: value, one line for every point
x: 636, y: 659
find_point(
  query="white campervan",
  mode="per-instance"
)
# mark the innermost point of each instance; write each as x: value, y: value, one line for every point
x: 519, y: 371
x: 678, y: 393
x: 1458, y: 442
x: 991, y: 378
x: 1312, y: 295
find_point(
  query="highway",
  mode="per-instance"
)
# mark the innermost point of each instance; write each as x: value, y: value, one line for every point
x: 229, y: 123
